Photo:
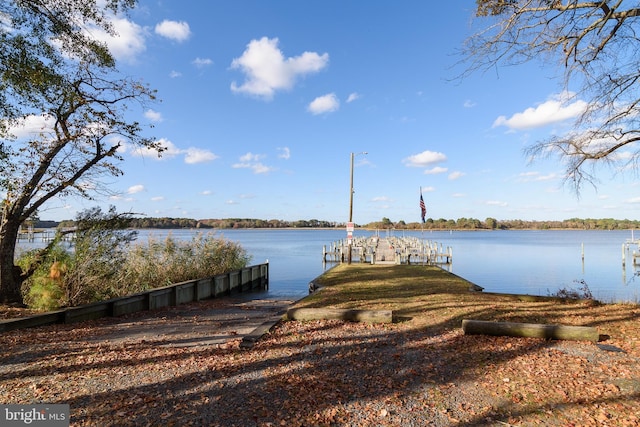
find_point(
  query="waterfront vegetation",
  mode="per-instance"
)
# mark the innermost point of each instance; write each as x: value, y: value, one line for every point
x: 106, y: 264
x: 384, y: 223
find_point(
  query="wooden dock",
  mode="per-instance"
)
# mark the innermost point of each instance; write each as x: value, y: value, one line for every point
x: 44, y: 235
x: 389, y: 250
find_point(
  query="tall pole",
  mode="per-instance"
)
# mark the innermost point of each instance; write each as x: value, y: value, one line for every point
x: 350, y: 211
x: 351, y: 191
x: 349, y: 238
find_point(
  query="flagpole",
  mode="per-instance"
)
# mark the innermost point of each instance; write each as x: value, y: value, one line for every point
x: 422, y: 224
x: 422, y: 229
x: 422, y: 214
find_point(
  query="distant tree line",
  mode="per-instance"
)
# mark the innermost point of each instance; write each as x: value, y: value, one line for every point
x: 515, y: 224
x: 271, y: 223
x: 226, y: 223
x: 385, y: 223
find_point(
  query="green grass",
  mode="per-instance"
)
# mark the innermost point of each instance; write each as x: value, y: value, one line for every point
x: 430, y: 297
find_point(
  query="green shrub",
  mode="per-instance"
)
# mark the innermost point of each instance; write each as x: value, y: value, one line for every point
x: 45, y: 295
x: 104, y: 264
x: 156, y: 264
x: 45, y: 288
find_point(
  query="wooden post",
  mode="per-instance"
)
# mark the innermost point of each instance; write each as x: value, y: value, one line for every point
x: 368, y: 316
x: 530, y: 330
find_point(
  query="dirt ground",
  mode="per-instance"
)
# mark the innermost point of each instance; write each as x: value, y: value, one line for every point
x: 190, y: 365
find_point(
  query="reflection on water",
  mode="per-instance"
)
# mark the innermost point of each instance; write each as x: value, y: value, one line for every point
x: 525, y: 262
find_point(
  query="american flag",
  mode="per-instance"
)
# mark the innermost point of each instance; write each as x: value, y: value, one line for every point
x: 423, y: 208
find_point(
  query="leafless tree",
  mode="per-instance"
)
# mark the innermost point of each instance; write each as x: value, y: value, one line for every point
x: 596, y: 46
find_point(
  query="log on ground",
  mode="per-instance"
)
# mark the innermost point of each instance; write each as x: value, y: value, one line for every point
x: 352, y: 315
x: 530, y: 330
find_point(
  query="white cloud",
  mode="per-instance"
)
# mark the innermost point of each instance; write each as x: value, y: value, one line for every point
x: 191, y: 155
x: 469, y: 103
x: 352, y: 97
x: 324, y: 104
x: 173, y: 74
x: 250, y: 157
x: 135, y: 189
x: 157, y: 199
x: 252, y: 161
x: 260, y: 168
x: 32, y: 125
x: 267, y: 70
x: 536, y: 176
x: 197, y: 155
x: 170, y: 150
x: 455, y: 175
x: 436, y: 170
x: 285, y: 153
x: 127, y: 44
x: 202, y: 62
x: 621, y: 155
x: 424, y: 159
x: 558, y: 108
x: 154, y: 116
x: 174, y: 30
x: 496, y: 203
x: 207, y: 193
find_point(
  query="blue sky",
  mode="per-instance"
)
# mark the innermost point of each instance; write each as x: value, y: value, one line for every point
x: 262, y: 102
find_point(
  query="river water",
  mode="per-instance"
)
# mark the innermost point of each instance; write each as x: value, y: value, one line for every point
x: 521, y: 262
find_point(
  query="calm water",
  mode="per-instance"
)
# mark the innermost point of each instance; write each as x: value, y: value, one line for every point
x: 524, y: 262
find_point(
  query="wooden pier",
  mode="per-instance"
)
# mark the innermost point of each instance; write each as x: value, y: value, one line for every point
x: 389, y: 250
x: 43, y: 235
x: 628, y: 251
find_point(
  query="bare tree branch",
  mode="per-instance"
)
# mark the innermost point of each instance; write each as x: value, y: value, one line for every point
x: 596, y: 47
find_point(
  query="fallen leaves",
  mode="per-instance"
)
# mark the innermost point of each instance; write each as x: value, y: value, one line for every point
x: 336, y: 373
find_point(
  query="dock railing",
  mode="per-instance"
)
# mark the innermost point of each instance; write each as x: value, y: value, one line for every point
x: 389, y: 250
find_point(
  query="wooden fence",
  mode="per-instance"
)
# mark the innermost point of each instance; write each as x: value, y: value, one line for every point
x: 245, y: 280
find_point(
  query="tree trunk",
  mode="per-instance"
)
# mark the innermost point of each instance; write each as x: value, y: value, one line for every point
x: 530, y: 330
x: 10, y: 274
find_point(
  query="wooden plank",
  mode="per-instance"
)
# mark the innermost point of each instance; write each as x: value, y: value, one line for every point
x: 32, y: 321
x: 367, y: 316
x: 88, y: 312
x: 130, y: 304
x: 530, y: 330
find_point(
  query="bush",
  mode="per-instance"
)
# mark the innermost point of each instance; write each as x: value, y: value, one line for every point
x: 104, y: 264
x: 156, y: 264
x: 46, y: 286
x: 582, y: 292
x: 45, y: 295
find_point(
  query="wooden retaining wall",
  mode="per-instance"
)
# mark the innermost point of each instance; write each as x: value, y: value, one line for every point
x: 248, y: 279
